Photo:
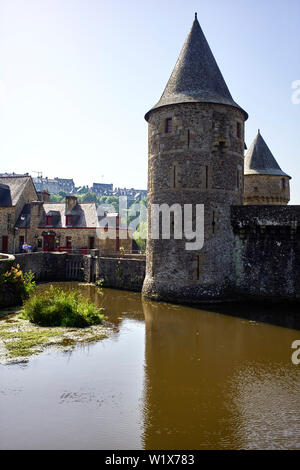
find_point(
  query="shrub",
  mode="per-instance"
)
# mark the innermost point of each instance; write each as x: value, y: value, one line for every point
x: 56, y: 307
x: 23, y: 284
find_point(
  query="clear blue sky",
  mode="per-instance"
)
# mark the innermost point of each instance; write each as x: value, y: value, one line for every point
x: 77, y: 76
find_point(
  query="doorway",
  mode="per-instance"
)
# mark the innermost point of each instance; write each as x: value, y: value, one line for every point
x: 49, y: 243
x: 5, y: 244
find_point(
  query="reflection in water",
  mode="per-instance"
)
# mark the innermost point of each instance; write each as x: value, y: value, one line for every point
x: 191, y: 379
x: 217, y: 382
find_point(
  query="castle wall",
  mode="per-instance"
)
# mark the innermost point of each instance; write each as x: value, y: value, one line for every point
x: 267, y: 252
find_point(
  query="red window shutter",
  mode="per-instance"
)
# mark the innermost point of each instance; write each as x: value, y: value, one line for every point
x: 69, y: 220
x: 49, y: 220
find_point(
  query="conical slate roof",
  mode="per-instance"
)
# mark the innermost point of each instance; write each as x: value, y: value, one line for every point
x: 196, y: 76
x: 259, y: 159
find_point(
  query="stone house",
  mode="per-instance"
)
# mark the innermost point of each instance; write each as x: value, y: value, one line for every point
x: 29, y: 217
x: 16, y: 192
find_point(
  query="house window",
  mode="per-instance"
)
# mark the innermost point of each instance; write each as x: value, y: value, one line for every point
x: 8, y: 222
x: 238, y: 130
x: 91, y: 243
x: 49, y: 220
x: 21, y: 241
x: 168, y: 126
x: 69, y: 220
x: 69, y: 242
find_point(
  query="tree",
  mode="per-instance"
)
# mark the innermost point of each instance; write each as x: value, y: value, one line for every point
x: 88, y: 197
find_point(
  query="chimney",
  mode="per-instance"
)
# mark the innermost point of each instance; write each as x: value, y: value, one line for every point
x: 43, y: 196
x: 71, y: 202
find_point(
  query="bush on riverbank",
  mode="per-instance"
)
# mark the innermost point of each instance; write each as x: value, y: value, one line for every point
x: 16, y: 286
x: 56, y: 307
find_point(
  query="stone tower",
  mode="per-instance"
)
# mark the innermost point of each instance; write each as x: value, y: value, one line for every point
x: 265, y: 182
x: 196, y: 156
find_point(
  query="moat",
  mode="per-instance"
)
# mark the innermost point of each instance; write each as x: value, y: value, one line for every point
x: 169, y: 377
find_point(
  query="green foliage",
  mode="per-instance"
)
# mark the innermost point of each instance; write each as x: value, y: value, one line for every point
x: 29, y: 283
x: 83, y: 190
x: 55, y: 307
x: 23, y: 283
x: 140, y: 236
x: 88, y: 197
x: 114, y: 201
x: 25, y: 342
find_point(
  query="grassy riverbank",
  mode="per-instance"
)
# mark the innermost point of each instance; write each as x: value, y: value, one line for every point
x: 20, y: 339
x: 51, y: 318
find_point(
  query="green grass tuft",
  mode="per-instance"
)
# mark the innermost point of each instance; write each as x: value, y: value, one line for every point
x: 56, y: 307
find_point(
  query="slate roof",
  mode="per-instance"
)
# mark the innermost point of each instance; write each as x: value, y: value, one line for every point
x: 16, y: 185
x: 196, y: 76
x: 259, y: 159
x: 84, y: 215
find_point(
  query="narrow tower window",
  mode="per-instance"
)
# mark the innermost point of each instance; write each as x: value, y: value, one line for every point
x: 197, y: 267
x: 238, y: 179
x: 168, y: 126
x: 206, y: 176
x: 238, y: 130
x: 213, y: 222
x: 188, y: 139
x: 283, y: 184
x: 174, y: 176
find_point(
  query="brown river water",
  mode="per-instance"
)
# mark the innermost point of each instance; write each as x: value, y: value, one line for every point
x: 171, y: 377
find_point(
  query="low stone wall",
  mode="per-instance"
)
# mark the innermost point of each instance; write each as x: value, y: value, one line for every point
x: 122, y: 273
x: 45, y: 266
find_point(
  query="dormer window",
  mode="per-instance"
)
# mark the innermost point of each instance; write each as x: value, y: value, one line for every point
x: 168, y: 126
x: 49, y: 220
x: 69, y: 220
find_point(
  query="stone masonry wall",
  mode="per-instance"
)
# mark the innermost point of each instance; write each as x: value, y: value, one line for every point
x: 266, y: 189
x: 122, y: 273
x: 45, y: 266
x: 267, y: 252
x: 7, y: 222
x: 199, y: 162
